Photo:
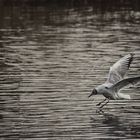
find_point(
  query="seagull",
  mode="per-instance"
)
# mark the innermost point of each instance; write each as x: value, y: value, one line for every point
x: 115, y: 82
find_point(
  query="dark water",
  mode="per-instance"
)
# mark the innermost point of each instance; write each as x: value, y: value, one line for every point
x: 50, y: 60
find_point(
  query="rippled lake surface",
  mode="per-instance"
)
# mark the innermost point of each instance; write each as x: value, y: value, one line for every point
x: 50, y: 60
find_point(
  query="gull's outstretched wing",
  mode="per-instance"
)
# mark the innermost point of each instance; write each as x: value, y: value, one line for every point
x: 125, y: 82
x: 119, y: 69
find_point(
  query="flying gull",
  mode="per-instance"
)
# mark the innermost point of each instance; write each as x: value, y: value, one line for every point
x: 115, y: 81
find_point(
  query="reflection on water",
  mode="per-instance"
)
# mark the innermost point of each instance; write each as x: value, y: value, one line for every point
x: 50, y: 60
x: 116, y: 126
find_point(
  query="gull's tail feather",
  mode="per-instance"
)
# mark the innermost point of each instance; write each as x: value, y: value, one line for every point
x: 125, y: 82
x: 124, y: 96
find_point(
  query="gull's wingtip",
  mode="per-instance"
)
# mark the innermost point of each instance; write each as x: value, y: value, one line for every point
x: 130, y: 59
x: 132, y: 54
x: 129, y: 55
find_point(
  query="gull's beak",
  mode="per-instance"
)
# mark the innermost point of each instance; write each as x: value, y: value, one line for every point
x: 90, y: 95
x: 94, y: 92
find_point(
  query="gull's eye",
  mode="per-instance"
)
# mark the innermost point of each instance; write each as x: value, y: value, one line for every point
x: 106, y: 87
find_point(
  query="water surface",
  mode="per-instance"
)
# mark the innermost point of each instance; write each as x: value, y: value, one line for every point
x: 51, y: 59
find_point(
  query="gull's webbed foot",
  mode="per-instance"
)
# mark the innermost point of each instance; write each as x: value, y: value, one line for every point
x: 98, y: 104
x: 99, y: 110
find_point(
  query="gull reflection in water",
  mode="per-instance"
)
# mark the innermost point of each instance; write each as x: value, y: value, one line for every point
x: 115, y: 125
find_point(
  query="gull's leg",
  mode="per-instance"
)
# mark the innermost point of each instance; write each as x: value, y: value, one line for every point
x: 99, y: 110
x: 104, y: 104
x: 101, y: 102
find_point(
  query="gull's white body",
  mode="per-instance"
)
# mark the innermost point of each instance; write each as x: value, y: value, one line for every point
x: 108, y: 92
x: 115, y: 81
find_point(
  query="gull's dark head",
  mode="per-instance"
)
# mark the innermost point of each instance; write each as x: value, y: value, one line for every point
x: 94, y: 92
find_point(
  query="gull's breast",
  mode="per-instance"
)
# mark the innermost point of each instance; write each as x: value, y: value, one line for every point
x: 109, y: 95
